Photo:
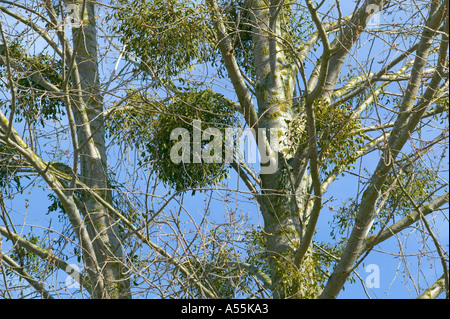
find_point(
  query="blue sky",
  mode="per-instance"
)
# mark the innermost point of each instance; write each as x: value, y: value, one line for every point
x: 392, y: 267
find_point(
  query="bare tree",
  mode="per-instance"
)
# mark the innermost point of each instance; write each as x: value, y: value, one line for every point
x: 120, y: 114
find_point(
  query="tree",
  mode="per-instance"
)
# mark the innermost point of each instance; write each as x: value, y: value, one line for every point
x: 123, y: 113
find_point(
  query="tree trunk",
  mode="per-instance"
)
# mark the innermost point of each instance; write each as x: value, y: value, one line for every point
x: 92, y: 157
x: 284, y: 193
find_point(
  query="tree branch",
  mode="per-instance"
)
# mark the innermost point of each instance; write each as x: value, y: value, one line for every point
x: 434, y: 290
x: 70, y: 207
x: 10, y: 80
x: 342, y: 44
x: 225, y: 46
x: 404, y: 223
x: 144, y: 238
x: 43, y: 254
x: 43, y: 33
x: 398, y: 138
x: 25, y: 275
x: 316, y: 184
